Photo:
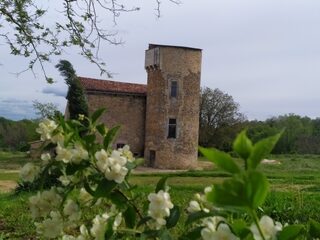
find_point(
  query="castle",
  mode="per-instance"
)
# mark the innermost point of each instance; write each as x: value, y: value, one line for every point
x: 160, y: 120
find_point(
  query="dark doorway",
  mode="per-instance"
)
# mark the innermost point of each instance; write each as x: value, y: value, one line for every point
x: 152, y: 158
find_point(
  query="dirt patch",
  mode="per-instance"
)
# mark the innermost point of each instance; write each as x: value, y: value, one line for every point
x: 7, y: 185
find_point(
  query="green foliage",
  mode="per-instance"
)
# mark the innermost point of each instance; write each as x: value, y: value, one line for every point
x: 15, y: 135
x: 77, y: 103
x: 220, y: 119
x: 46, y: 110
x: 301, y: 134
x: 229, y: 208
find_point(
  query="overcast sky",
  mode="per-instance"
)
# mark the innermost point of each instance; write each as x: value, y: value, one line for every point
x: 264, y: 53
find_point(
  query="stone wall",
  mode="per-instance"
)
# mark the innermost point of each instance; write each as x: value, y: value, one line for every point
x: 184, y: 66
x: 125, y: 110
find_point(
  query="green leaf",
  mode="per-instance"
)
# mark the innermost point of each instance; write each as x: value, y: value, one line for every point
x: 110, y: 136
x: 130, y: 217
x: 104, y: 188
x: 239, y: 227
x: 165, y: 235
x: 242, y: 145
x: 173, y: 219
x: 162, y: 184
x: 88, y: 188
x: 248, y: 189
x: 97, y: 114
x: 261, y: 149
x: 257, y: 188
x: 291, y: 232
x: 143, y: 221
x: 109, y: 229
x: 196, y: 216
x: 72, y: 168
x: 230, y: 193
x: 130, y: 165
x: 89, y: 139
x: 192, y: 235
x: 118, y: 199
x: 314, y: 228
x: 101, y: 129
x: 221, y: 159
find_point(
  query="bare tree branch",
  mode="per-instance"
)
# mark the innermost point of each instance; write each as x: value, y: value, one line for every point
x: 80, y: 25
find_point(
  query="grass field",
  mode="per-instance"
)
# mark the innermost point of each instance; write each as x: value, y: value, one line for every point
x: 294, y: 195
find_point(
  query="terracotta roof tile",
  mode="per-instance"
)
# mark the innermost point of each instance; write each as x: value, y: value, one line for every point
x: 91, y: 84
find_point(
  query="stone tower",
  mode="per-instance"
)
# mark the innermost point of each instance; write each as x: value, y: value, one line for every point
x: 172, y: 108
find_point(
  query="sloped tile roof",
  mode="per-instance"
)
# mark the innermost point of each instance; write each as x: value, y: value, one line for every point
x: 91, y: 84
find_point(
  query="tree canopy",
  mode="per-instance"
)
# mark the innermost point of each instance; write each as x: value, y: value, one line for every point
x: 220, y: 119
x: 77, y: 102
x: 29, y: 32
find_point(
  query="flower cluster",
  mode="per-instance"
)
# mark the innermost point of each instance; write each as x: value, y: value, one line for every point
x: 46, y: 128
x: 200, y: 203
x: 112, y: 166
x: 43, y: 203
x: 159, y: 208
x: 215, y: 228
x: 71, y: 155
x: 29, y: 172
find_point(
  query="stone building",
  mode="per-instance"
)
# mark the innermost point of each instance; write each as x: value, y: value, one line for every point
x: 160, y: 120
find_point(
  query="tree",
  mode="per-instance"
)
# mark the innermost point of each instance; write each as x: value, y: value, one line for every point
x: 77, y: 102
x: 220, y: 119
x: 46, y: 110
x: 81, y: 23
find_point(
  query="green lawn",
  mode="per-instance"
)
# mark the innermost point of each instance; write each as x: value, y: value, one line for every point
x: 294, y: 195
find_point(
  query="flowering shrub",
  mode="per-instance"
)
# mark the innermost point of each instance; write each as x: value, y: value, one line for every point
x: 95, y: 176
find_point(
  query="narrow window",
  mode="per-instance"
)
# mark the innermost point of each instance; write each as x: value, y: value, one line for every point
x: 174, y: 89
x: 172, y: 129
x: 152, y: 158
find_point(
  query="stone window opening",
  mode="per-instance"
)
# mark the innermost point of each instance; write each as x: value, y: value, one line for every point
x: 172, y: 129
x: 152, y: 158
x: 174, y: 89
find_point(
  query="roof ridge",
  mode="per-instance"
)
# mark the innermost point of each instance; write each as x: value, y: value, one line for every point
x: 94, y: 84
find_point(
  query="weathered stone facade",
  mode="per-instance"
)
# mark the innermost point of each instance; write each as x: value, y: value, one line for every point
x: 128, y: 111
x: 159, y: 120
x: 182, y: 66
x: 126, y: 106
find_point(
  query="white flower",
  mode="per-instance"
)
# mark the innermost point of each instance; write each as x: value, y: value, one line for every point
x: 45, y: 129
x: 51, y: 227
x: 268, y: 228
x: 112, y: 166
x: 125, y: 151
x: 207, y: 189
x: 81, y: 117
x: 71, y: 209
x: 42, y: 203
x: 65, y: 180
x: 29, y: 172
x: 58, y: 138
x: 159, y: 207
x: 84, y: 234
x: 84, y: 196
x: 45, y: 157
x: 223, y: 232
x: 68, y: 237
x: 79, y: 154
x: 98, y: 227
x: 212, y: 222
x: 64, y: 154
x: 193, y: 207
x: 117, y: 221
